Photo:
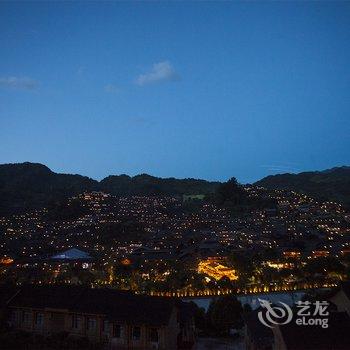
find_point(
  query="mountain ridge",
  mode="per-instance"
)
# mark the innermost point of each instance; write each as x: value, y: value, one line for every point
x: 329, y: 184
x: 26, y: 186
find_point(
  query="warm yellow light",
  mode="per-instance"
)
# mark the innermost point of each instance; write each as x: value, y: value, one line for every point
x: 216, y: 270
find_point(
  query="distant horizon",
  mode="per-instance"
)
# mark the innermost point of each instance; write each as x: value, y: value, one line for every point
x: 168, y: 177
x: 189, y: 89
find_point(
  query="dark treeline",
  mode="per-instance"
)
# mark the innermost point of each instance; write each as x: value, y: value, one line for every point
x: 28, y: 186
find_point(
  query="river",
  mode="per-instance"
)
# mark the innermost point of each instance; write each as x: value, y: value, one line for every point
x: 252, y: 299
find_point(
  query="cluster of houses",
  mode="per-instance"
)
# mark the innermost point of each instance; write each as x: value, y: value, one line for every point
x: 123, y: 320
x: 118, y: 319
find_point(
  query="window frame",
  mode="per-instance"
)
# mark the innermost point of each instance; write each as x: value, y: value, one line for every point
x: 150, y: 333
x: 27, y: 317
x: 114, y: 333
x: 133, y: 337
x: 39, y: 316
x: 91, y: 324
x: 76, y: 321
x: 105, y: 326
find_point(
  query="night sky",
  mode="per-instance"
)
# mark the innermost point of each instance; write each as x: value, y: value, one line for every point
x: 204, y: 90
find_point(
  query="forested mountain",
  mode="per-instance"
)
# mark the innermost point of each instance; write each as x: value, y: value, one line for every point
x: 30, y: 185
x: 26, y: 186
x: 333, y: 184
x: 149, y: 185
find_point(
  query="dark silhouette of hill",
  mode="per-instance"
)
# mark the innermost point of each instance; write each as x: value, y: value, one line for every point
x: 331, y: 184
x: 144, y: 184
x: 26, y: 186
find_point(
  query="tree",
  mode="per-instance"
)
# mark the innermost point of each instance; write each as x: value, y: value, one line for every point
x: 325, y: 266
x: 199, y: 315
x: 269, y: 254
x: 244, y: 266
x: 225, y: 313
x: 229, y: 193
x: 226, y: 283
x: 247, y: 308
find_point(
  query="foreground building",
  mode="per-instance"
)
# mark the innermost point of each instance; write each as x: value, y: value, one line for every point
x: 296, y: 337
x: 121, y: 319
x: 256, y: 335
x: 292, y: 336
x: 341, y: 298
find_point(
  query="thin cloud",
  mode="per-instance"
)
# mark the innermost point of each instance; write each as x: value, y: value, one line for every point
x: 22, y: 83
x: 281, y: 168
x: 160, y: 72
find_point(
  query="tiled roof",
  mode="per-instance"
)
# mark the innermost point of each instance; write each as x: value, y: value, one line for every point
x: 261, y: 335
x: 72, y: 254
x: 116, y: 305
x: 345, y: 286
x: 336, y: 336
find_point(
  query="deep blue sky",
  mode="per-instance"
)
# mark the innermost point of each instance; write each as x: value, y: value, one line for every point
x: 208, y: 90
